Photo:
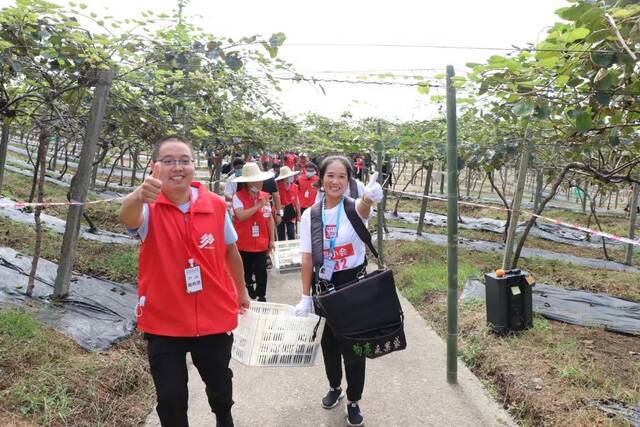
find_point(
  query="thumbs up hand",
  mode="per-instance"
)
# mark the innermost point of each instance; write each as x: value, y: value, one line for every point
x: 150, y: 189
x: 373, y: 190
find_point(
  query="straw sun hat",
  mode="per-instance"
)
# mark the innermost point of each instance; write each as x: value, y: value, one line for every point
x: 252, y: 173
x: 286, y: 172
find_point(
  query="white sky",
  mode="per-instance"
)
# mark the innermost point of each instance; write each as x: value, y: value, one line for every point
x: 487, y: 23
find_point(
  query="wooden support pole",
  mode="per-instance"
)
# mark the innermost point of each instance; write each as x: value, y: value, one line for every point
x: 81, y: 182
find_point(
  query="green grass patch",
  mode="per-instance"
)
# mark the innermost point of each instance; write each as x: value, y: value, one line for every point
x: 48, y: 380
x: 110, y: 261
x: 432, y: 276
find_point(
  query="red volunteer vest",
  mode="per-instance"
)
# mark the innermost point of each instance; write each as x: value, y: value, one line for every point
x: 287, y: 197
x: 306, y: 188
x: 290, y: 160
x: 173, y: 238
x: 246, y: 241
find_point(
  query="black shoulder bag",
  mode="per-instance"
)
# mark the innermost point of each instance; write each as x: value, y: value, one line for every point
x: 364, y: 314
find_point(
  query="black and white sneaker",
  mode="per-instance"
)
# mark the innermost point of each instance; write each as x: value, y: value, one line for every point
x: 332, y: 398
x: 354, y: 416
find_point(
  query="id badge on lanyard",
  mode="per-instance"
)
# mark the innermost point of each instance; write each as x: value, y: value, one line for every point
x: 329, y: 265
x: 255, y: 230
x: 326, y: 271
x: 192, y: 278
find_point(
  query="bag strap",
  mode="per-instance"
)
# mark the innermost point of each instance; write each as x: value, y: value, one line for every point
x: 316, y: 236
x: 358, y: 225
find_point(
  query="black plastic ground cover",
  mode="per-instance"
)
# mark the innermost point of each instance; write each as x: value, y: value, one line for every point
x: 96, y: 314
x: 58, y: 225
x: 525, y: 204
x: 575, y: 306
x: 487, y: 246
x: 613, y: 407
x: 553, y: 232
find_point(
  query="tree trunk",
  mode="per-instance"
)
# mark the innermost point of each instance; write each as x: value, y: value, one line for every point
x: 113, y: 166
x: 592, y: 206
x: 121, y: 167
x: 468, y: 182
x: 507, y: 262
x: 81, y: 183
x: 484, y: 178
x: 96, y: 167
x: 42, y: 155
x: 39, y: 164
x: 53, y: 162
x: 423, y: 205
x: 633, y: 217
x: 395, y: 208
x: 4, y: 145
x: 444, y: 165
x: 532, y: 220
x: 65, y: 166
x: 400, y: 173
x: 506, y: 205
x: 134, y: 169
x: 538, y: 190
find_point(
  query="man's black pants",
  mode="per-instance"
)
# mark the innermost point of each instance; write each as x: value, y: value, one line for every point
x: 168, y: 362
x: 255, y: 263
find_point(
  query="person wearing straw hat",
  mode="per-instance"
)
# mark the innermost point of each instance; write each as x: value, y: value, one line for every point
x: 253, y: 222
x: 290, y: 203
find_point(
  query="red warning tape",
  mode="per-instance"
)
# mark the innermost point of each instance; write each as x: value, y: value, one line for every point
x: 545, y: 218
x: 20, y: 205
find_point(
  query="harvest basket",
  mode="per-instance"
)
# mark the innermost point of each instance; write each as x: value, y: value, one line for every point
x: 270, y: 334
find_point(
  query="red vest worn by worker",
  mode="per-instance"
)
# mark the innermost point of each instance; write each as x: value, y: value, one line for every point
x: 290, y: 160
x: 306, y: 191
x: 173, y: 237
x: 246, y: 241
x: 287, y: 196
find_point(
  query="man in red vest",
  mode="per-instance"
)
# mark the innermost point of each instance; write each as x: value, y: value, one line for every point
x: 190, y: 281
x: 307, y: 186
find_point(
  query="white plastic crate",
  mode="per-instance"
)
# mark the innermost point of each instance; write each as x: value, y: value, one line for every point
x: 287, y: 256
x: 271, y: 334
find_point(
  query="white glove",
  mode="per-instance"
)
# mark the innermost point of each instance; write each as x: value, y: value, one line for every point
x: 305, y: 306
x: 373, y: 190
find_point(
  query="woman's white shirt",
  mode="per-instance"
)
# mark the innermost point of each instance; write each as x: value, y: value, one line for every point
x: 349, y: 250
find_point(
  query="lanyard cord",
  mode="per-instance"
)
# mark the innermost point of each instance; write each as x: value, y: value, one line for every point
x: 332, y: 240
x: 188, y: 232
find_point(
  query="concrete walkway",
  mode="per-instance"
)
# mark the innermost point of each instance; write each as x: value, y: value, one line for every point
x: 406, y: 388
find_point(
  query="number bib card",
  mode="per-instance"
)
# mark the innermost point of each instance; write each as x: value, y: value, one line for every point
x: 193, y: 279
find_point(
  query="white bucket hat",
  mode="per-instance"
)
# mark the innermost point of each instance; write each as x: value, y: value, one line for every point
x: 286, y: 172
x: 252, y: 173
